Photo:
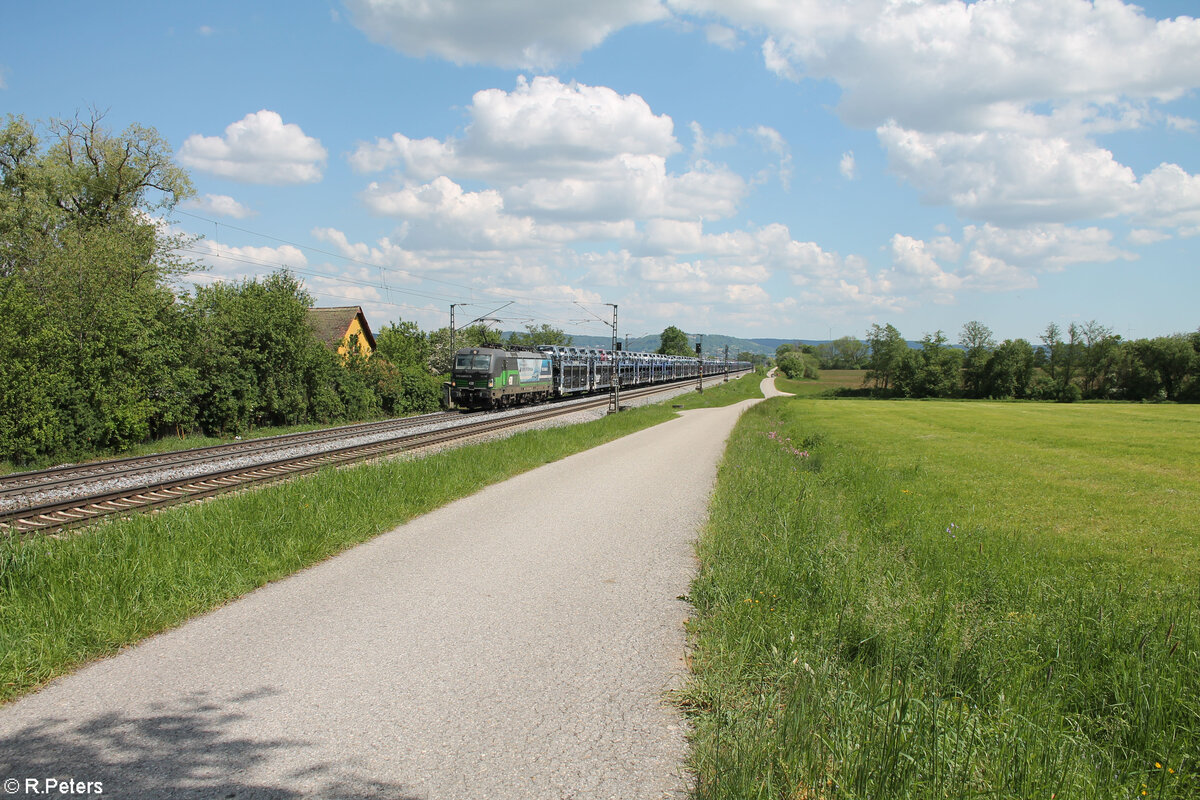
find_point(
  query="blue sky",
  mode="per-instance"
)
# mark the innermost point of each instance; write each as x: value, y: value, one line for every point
x: 759, y: 168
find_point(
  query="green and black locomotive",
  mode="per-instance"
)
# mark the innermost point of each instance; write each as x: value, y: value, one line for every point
x: 491, y: 377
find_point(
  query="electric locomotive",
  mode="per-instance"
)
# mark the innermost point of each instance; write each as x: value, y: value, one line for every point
x: 493, y: 377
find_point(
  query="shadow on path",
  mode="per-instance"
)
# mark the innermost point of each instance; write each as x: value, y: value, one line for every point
x: 175, y: 752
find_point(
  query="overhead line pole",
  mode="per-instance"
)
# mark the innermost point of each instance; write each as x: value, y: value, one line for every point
x: 615, y: 406
x: 614, y: 369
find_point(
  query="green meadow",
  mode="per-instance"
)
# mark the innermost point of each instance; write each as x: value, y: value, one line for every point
x: 951, y: 599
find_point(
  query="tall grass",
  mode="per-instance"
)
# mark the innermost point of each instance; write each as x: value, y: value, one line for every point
x: 878, y: 619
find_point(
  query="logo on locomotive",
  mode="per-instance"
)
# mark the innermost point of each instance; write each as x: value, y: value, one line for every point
x: 533, y: 369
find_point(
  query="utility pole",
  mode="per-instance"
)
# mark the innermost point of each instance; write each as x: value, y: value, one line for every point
x: 615, y: 406
x: 727, y: 363
x: 452, y: 305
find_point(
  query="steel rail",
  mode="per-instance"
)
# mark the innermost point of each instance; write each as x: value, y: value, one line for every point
x: 82, y: 510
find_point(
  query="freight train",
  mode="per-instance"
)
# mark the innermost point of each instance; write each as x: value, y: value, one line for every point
x: 497, y: 377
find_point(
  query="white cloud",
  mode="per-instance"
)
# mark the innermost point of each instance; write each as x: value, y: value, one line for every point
x: 259, y: 148
x: 993, y: 259
x: 572, y: 120
x: 773, y: 140
x: 523, y: 35
x: 991, y: 106
x: 206, y: 30
x: 543, y: 127
x: 221, y: 205
x: 846, y: 166
x: 944, y: 64
x: 1181, y: 123
x: 722, y: 36
x: 440, y: 213
x: 776, y: 61
x: 1144, y: 236
x: 564, y: 153
x: 912, y: 259
x: 1015, y: 179
x: 225, y: 262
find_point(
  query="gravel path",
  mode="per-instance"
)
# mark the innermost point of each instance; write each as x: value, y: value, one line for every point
x: 514, y: 644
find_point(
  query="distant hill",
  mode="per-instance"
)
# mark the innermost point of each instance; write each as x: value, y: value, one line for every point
x: 713, y: 343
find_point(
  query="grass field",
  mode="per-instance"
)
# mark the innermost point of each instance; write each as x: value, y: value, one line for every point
x: 951, y: 599
x: 829, y: 381
x: 65, y: 601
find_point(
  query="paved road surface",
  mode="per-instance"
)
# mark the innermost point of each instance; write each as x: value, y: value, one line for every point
x: 514, y: 644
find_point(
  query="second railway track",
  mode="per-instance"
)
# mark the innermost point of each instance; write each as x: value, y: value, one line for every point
x: 148, y: 493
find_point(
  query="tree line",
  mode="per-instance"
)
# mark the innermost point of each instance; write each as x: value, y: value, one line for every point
x: 1084, y: 361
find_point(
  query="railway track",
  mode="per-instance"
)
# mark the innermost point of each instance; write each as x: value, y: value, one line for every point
x: 18, y: 484
x: 148, y: 493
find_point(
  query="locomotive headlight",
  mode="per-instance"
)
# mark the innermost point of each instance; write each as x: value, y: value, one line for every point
x: 491, y: 383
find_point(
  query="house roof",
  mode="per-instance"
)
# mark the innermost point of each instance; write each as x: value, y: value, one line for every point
x: 331, y: 324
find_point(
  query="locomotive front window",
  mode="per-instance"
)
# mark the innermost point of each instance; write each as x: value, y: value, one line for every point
x: 467, y: 361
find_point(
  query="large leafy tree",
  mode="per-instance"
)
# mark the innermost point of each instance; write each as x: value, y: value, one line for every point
x: 535, y: 335
x: 796, y: 365
x: 844, y: 353
x: 935, y: 370
x: 978, y: 345
x: 84, y: 261
x: 403, y: 344
x: 1009, y: 371
x: 674, y: 342
x: 888, y: 350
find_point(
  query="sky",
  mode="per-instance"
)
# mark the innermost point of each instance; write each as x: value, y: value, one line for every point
x: 754, y: 168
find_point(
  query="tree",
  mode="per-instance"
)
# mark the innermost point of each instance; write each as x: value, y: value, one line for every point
x: 796, y: 365
x: 935, y: 370
x: 404, y: 344
x: 977, y: 341
x: 441, y: 353
x: 1009, y: 371
x: 756, y: 359
x: 1171, y: 359
x: 1100, y: 357
x: 79, y: 247
x: 844, y: 353
x: 888, y: 349
x: 674, y: 342
x: 539, y: 334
